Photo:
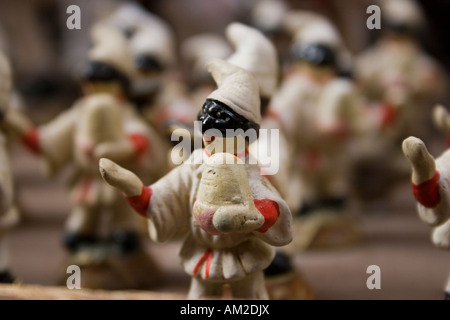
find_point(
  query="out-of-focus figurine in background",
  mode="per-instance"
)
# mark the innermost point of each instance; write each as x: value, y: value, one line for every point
x: 8, y: 214
x: 157, y: 88
x: 430, y: 183
x: 101, y: 236
x: 400, y: 81
x: 232, y: 216
x: 319, y: 112
x: 269, y: 16
x: 196, y: 51
x: 254, y: 52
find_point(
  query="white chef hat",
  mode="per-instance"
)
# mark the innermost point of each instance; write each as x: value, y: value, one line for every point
x: 5, y: 82
x: 254, y: 52
x: 403, y: 12
x: 111, y: 47
x: 199, y: 49
x: 237, y: 88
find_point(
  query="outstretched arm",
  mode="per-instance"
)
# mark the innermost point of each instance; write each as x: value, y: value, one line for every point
x: 165, y: 203
x: 429, y: 181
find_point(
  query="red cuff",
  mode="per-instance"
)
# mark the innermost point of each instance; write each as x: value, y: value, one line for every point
x: 31, y: 140
x: 140, y: 143
x: 388, y: 115
x: 270, y: 210
x: 427, y: 193
x: 141, y: 202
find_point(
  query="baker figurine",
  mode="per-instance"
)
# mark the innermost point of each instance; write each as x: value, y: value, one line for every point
x: 232, y: 215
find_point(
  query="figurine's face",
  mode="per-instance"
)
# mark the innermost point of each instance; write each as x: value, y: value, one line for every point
x: 113, y: 88
x: 316, y: 60
x: 149, y: 75
x: 100, y: 77
x: 317, y: 73
x: 224, y: 127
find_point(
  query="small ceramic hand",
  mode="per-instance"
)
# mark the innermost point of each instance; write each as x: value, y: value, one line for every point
x: 422, y: 162
x: 124, y: 180
x: 441, y: 119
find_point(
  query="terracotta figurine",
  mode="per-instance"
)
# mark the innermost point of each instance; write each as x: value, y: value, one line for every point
x: 319, y: 110
x: 232, y: 215
x: 103, y: 123
x: 430, y: 182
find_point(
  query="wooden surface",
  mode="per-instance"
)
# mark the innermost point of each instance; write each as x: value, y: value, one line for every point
x: 393, y: 238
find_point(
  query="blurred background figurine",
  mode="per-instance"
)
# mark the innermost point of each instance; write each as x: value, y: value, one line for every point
x: 8, y: 216
x: 234, y: 216
x: 157, y: 87
x: 100, y: 232
x: 319, y: 111
x: 400, y: 80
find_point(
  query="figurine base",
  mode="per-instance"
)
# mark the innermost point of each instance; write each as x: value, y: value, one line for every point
x: 323, y: 229
x: 105, y: 269
x: 289, y: 286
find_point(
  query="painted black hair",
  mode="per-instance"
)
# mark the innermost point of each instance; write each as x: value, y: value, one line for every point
x: 103, y: 72
x: 217, y: 115
x: 316, y: 54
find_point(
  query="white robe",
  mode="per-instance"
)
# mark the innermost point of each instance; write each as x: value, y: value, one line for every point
x: 214, y: 257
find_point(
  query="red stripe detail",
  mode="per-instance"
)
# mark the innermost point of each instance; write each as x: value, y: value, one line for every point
x: 427, y: 193
x: 141, y: 202
x: 270, y: 211
x: 140, y: 143
x: 208, y: 263
x: 448, y: 142
x: 32, y: 141
x: 207, y: 256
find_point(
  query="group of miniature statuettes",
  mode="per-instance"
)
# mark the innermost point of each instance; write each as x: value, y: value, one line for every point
x: 341, y: 122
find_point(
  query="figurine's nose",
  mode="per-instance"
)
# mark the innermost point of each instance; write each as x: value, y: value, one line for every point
x: 148, y: 63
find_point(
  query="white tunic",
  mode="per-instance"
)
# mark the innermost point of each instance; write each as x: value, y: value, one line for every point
x: 214, y: 257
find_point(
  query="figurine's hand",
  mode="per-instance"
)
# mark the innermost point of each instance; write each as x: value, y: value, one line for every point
x: 117, y: 151
x: 422, y: 162
x: 441, y: 119
x: 120, y: 178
